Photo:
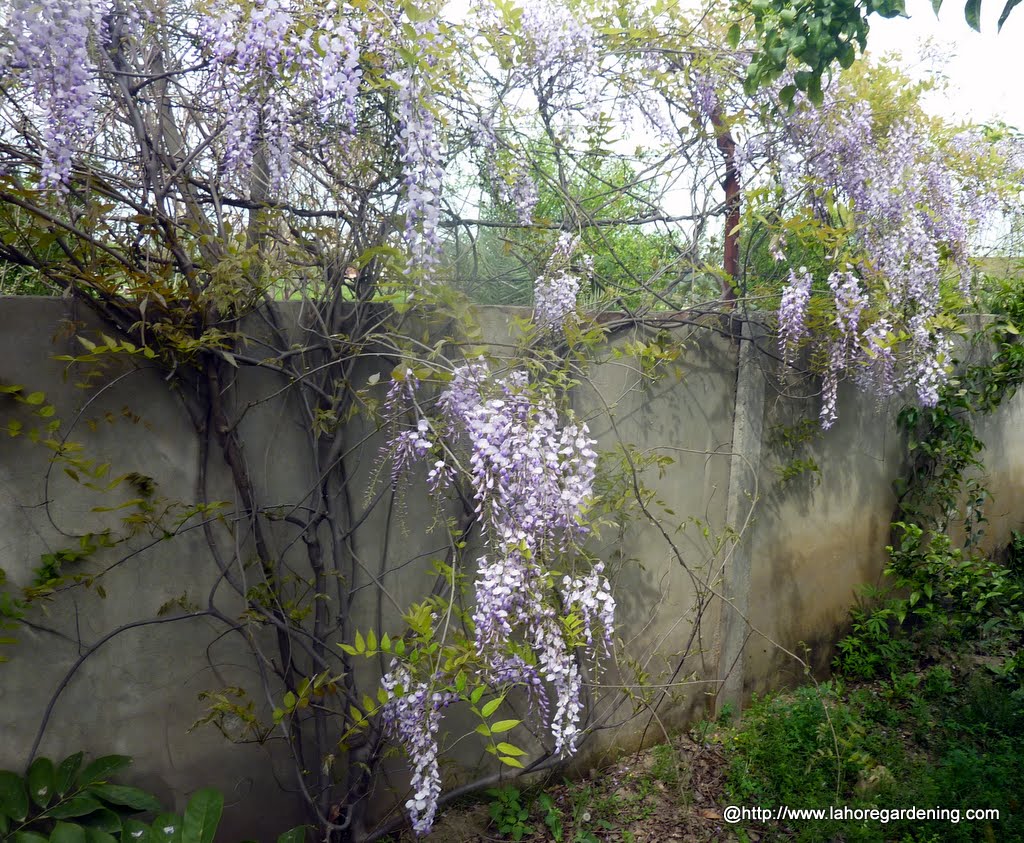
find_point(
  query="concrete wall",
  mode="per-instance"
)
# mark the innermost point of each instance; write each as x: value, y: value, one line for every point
x: 725, y: 571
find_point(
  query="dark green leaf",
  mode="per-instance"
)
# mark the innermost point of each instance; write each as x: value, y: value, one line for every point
x: 94, y: 835
x: 814, y: 92
x: 293, y: 835
x: 1006, y: 12
x: 972, y: 12
x: 41, y: 781
x: 136, y: 832
x: 167, y: 829
x: 201, y: 816
x: 27, y: 837
x: 67, y: 833
x: 67, y: 771
x: 103, y: 820
x: 13, y: 796
x: 130, y: 797
x: 733, y: 37
x: 103, y: 768
x: 76, y: 806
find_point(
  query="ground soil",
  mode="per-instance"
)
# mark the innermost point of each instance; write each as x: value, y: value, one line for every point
x: 639, y: 799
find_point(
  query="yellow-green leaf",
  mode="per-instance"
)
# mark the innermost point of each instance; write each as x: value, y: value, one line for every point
x: 491, y: 706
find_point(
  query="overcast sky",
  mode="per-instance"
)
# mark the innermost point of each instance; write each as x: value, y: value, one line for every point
x: 986, y: 70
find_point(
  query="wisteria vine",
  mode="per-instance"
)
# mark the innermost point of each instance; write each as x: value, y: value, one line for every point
x: 531, y: 476
x: 914, y: 207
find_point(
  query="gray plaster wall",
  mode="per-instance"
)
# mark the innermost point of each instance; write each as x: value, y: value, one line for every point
x: 720, y: 577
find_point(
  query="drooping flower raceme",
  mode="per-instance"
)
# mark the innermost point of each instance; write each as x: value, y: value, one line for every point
x: 49, y: 42
x: 793, y: 310
x: 412, y: 714
x: 532, y: 477
x: 911, y: 207
x: 255, y: 49
x: 556, y: 290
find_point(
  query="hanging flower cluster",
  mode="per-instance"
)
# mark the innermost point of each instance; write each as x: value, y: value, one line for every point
x: 561, y: 53
x: 532, y: 481
x: 555, y: 291
x: 420, y: 148
x: 412, y: 714
x: 793, y: 310
x: 910, y: 209
x: 48, y: 40
x: 256, y: 48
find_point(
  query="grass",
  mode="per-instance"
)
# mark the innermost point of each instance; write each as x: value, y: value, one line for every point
x: 924, y: 739
x: 949, y: 734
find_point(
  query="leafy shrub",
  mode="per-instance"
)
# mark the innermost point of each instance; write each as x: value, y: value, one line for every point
x: 69, y: 803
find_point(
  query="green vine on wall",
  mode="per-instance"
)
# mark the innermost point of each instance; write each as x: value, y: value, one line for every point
x: 936, y: 585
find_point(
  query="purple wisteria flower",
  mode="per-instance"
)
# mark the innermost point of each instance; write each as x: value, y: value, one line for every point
x: 412, y: 715
x: 793, y: 310
x: 555, y: 291
x: 532, y: 479
x: 419, y: 142
x: 256, y: 50
x: 50, y: 44
x: 912, y: 205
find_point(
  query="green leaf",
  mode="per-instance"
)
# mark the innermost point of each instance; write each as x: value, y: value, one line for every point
x: 371, y: 641
x: 130, y: 797
x: 166, y: 829
x: 478, y: 692
x: 814, y: 92
x: 95, y: 835
x: 103, y: 820
x: 42, y: 781
x: 201, y: 816
x: 136, y: 832
x: 102, y: 768
x: 936, y: 5
x: 67, y: 833
x: 35, y: 398
x: 76, y: 806
x: 66, y: 772
x: 510, y: 749
x: 360, y: 643
x: 13, y: 796
x: 1006, y: 13
x: 733, y: 36
x: 293, y: 835
x: 491, y: 706
x: 27, y: 837
x: 512, y: 762
x: 483, y: 729
x: 972, y: 13
x: 504, y: 726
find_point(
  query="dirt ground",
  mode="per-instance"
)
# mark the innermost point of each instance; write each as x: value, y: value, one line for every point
x: 662, y: 795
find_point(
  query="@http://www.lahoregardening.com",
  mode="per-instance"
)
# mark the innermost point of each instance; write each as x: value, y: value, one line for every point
x: 736, y: 813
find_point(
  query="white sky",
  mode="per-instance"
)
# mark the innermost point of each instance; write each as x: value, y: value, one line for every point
x: 985, y: 70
